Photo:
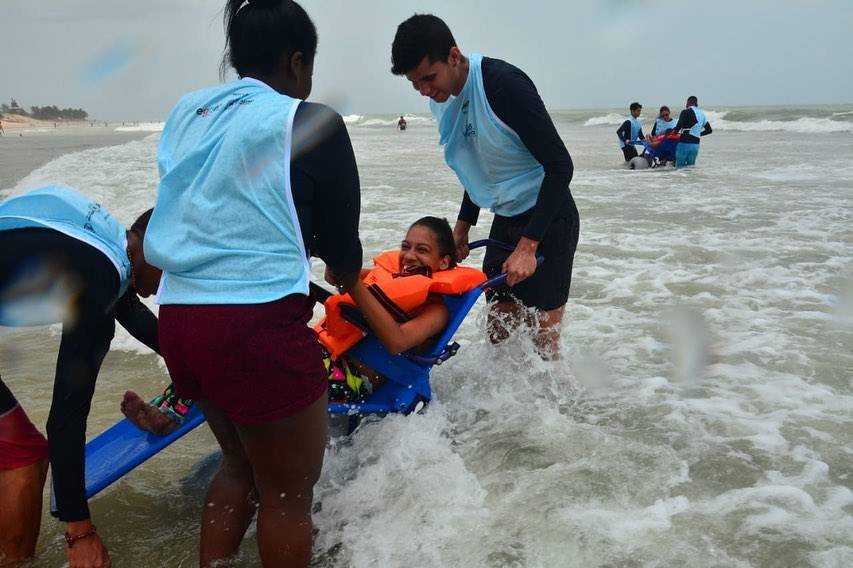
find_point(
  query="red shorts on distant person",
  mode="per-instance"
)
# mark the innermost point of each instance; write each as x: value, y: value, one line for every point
x: 255, y: 362
x: 21, y: 444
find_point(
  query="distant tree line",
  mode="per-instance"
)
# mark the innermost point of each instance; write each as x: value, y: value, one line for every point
x: 45, y: 113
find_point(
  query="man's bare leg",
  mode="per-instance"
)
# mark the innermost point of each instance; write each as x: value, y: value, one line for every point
x: 20, y: 511
x: 506, y: 317
x: 548, y: 339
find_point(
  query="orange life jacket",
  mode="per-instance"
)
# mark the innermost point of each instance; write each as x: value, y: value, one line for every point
x: 661, y: 137
x: 399, y: 294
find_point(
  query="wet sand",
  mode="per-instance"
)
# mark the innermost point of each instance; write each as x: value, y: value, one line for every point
x: 24, y: 150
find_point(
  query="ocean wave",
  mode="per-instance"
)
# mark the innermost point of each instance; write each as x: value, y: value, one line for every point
x: 142, y: 127
x: 361, y: 120
x: 801, y: 125
x: 612, y: 119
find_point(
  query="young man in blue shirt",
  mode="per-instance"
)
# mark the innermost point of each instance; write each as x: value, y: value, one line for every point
x: 506, y: 152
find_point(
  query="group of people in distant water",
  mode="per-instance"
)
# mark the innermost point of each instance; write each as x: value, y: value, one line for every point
x: 673, y: 141
x: 250, y: 188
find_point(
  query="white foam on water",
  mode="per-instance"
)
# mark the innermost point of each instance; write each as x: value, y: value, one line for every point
x: 718, y: 439
x: 142, y: 127
x: 608, y: 119
x: 804, y: 125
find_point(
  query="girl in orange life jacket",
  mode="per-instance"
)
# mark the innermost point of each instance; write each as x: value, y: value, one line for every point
x: 428, y: 246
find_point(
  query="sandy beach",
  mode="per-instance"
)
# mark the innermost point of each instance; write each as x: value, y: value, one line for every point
x: 28, y: 144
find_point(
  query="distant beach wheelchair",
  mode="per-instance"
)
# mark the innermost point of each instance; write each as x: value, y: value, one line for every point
x: 656, y: 152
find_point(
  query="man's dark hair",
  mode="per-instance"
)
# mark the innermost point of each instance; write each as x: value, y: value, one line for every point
x: 422, y: 35
x: 259, y: 32
x: 443, y: 234
x: 635, y: 106
x: 141, y: 224
x: 692, y: 101
x: 664, y: 109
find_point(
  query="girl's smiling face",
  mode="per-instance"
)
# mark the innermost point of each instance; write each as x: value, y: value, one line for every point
x: 420, y: 249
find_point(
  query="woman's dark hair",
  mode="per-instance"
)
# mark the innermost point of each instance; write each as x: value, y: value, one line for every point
x: 141, y: 224
x: 663, y: 109
x: 422, y: 35
x: 443, y: 234
x: 259, y: 32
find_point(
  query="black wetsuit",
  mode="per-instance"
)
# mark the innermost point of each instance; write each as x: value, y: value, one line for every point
x: 323, y: 170
x: 686, y: 121
x: 85, y: 341
x: 624, y: 133
x: 7, y: 399
x: 554, y: 220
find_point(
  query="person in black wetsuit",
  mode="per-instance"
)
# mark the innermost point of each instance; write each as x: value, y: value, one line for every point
x: 519, y: 157
x: 63, y: 259
x: 248, y: 189
x: 323, y: 170
x: 630, y: 131
x: 692, y: 124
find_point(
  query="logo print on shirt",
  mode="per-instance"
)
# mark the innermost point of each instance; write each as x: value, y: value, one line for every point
x: 235, y: 100
x: 93, y: 208
x: 469, y: 128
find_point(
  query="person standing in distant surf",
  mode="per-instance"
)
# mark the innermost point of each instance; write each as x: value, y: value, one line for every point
x: 2, y: 132
x: 630, y: 131
x: 506, y: 152
x: 401, y: 124
x: 692, y: 124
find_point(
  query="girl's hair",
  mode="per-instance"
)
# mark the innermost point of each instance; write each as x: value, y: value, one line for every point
x: 259, y: 32
x: 664, y: 109
x: 443, y: 234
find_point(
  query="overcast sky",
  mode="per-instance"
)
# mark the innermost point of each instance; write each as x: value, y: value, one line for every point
x: 122, y: 59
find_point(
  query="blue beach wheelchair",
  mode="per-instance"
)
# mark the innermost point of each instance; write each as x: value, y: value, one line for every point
x: 122, y: 447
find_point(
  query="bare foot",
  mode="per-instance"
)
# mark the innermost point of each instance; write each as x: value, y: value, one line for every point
x: 146, y: 416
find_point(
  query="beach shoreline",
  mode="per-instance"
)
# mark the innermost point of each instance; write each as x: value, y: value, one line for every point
x: 17, y: 123
x: 30, y: 145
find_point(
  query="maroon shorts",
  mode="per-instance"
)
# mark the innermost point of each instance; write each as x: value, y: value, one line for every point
x: 256, y: 362
x: 21, y: 444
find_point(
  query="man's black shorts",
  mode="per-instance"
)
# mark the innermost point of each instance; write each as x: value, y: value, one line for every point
x: 548, y: 288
